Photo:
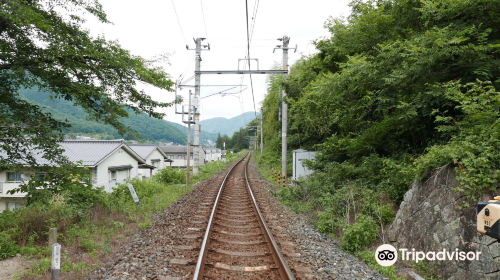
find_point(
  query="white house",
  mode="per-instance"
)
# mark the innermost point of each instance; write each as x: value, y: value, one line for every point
x: 152, y: 155
x: 178, y: 155
x: 109, y: 162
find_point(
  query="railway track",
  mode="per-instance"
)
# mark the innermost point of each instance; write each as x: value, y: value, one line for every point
x: 237, y: 243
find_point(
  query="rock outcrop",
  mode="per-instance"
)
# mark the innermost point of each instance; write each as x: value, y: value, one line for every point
x: 429, y: 219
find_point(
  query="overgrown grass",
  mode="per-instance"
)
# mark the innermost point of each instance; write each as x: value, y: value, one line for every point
x: 89, y: 235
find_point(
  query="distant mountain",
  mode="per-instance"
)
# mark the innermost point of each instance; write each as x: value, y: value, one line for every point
x: 206, y: 138
x: 151, y: 129
x: 228, y: 126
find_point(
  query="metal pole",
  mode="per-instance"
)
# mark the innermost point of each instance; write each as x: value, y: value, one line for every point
x: 261, y: 131
x: 284, y: 112
x: 196, y: 151
x: 189, y: 138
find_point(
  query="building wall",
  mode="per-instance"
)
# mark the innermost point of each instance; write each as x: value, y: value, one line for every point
x: 155, y: 155
x: 120, y: 157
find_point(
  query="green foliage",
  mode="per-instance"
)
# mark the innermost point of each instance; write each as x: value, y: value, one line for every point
x: 150, y: 129
x: 39, y: 267
x: 168, y: 175
x: 475, y: 136
x: 8, y: 248
x: 69, y: 182
x: 360, y: 234
x: 369, y: 258
x: 45, y: 46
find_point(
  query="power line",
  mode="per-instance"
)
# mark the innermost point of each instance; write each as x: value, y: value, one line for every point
x: 254, y: 18
x: 248, y: 51
x: 179, y: 23
x: 204, y: 23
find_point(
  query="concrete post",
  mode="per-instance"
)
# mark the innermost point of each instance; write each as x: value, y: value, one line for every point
x: 188, y: 139
x: 284, y: 112
x: 196, y: 151
x: 52, y: 236
x: 261, y: 130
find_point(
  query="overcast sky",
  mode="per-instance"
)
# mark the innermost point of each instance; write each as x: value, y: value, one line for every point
x: 150, y: 27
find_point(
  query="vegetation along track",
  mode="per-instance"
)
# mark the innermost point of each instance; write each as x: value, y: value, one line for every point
x: 237, y: 243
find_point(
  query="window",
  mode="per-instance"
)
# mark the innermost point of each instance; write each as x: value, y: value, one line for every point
x: 13, y: 176
x: 180, y: 157
x: 14, y: 205
x: 113, y: 175
x: 40, y: 176
x: 191, y: 157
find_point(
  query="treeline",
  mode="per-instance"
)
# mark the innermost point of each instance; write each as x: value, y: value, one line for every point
x: 400, y: 87
x: 149, y: 129
x: 239, y: 140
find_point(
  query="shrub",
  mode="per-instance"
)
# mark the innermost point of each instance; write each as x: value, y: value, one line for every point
x: 168, y: 175
x: 360, y: 234
x: 8, y: 248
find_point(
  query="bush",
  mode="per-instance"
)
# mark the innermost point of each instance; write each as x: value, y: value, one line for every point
x: 360, y: 234
x: 8, y: 248
x: 168, y: 175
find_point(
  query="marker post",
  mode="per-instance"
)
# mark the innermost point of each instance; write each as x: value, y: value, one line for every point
x: 56, y: 260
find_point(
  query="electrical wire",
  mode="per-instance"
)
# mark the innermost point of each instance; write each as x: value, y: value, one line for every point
x: 254, y: 18
x: 248, y: 51
x: 204, y: 23
x: 179, y: 23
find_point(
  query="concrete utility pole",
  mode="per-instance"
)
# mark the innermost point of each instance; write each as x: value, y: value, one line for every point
x: 284, y: 112
x: 196, y: 151
x: 189, y: 139
x: 261, y: 130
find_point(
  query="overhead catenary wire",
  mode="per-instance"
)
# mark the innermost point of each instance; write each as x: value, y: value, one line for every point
x: 248, y: 52
x: 204, y: 22
x: 182, y: 32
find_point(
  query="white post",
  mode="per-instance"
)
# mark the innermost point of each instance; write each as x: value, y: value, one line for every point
x: 196, y: 150
x: 284, y: 112
x: 261, y: 130
x: 56, y: 261
x: 188, y: 139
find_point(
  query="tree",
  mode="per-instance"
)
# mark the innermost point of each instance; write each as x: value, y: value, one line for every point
x: 43, y: 46
x: 219, y: 143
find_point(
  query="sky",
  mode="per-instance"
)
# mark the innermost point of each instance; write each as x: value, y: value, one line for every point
x: 150, y: 28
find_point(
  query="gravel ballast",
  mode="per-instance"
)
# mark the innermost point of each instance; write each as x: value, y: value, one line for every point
x: 149, y: 256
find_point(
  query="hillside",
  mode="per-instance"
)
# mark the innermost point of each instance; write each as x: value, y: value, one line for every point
x: 206, y: 138
x: 151, y: 129
x: 228, y: 126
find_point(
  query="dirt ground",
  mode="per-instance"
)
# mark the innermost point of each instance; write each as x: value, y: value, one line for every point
x: 10, y: 267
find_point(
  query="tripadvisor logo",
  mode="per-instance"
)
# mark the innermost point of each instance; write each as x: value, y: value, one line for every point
x: 387, y: 255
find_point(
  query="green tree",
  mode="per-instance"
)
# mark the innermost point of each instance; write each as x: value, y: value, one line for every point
x: 43, y: 46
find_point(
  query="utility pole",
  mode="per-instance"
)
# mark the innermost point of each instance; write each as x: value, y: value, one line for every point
x: 261, y: 130
x: 196, y: 151
x: 284, y: 111
x: 189, y: 139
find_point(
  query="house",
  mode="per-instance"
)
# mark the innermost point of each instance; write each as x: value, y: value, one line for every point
x: 109, y: 162
x: 178, y: 155
x: 212, y: 154
x: 152, y: 155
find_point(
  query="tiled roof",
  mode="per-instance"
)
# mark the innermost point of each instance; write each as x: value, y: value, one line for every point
x: 177, y: 149
x: 89, y: 152
x: 174, y: 149
x: 143, y: 150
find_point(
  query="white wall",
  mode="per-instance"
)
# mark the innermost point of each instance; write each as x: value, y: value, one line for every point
x: 119, y: 157
x: 155, y: 155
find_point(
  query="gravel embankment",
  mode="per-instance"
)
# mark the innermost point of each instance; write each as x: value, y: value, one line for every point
x: 149, y: 255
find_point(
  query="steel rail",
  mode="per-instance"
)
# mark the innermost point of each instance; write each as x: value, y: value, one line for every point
x: 198, y: 273
x: 283, y: 268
